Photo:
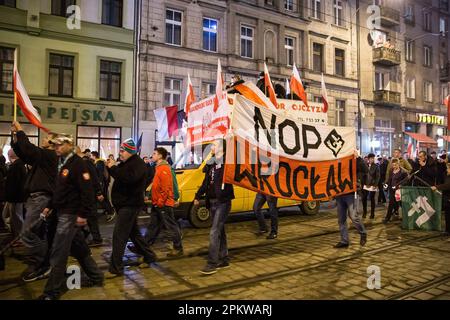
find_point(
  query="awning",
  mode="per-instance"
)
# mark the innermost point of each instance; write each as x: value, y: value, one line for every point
x: 424, y: 140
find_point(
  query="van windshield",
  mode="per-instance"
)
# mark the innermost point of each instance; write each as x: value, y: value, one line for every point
x: 190, y: 158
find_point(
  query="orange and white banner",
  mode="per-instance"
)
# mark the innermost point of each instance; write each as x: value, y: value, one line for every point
x: 283, y: 135
x: 207, y: 121
x: 250, y: 167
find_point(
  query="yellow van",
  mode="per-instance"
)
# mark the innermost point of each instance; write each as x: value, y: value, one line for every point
x: 189, y: 181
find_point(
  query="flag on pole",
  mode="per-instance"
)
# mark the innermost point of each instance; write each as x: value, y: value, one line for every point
x: 297, y: 85
x: 252, y: 92
x: 447, y: 104
x: 324, y: 96
x: 25, y: 104
x: 190, y: 96
x: 409, y: 150
x: 288, y: 88
x: 219, y: 86
x: 139, y: 144
x: 269, y: 87
x: 167, y: 122
x: 421, y: 208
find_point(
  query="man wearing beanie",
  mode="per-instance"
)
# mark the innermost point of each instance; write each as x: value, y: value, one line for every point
x: 130, y: 177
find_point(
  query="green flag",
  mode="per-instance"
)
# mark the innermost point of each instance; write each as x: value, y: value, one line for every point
x: 421, y: 208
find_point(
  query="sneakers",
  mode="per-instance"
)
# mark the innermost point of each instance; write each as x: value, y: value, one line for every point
x: 175, y: 253
x: 272, y: 236
x: 208, y: 270
x: 223, y: 265
x: 341, y: 245
x: 363, y: 239
x: 37, y: 275
x: 132, y: 249
x: 95, y: 243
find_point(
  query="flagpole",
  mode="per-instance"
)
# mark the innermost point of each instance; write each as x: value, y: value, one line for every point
x: 14, y: 85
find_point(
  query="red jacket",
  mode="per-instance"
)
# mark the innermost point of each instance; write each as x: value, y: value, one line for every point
x: 162, y: 188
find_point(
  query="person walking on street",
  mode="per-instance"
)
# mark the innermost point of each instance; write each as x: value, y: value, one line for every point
x: 73, y: 200
x: 403, y: 164
x: 259, y: 202
x: 346, y: 207
x: 15, y: 192
x: 39, y: 187
x: 445, y: 188
x: 371, y: 186
x: 128, y: 199
x: 396, y: 179
x: 218, y: 197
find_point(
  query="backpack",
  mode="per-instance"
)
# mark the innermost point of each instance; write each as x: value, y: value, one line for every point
x: 176, y: 191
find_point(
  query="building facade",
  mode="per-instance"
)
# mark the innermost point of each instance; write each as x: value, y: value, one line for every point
x: 187, y: 37
x: 78, y: 72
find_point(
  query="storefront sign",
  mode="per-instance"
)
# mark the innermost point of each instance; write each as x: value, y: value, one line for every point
x: 429, y: 118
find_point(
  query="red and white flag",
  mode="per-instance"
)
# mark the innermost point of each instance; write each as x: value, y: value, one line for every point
x: 252, y: 92
x: 269, y: 87
x: 167, y: 122
x: 297, y: 85
x: 219, y: 87
x: 190, y: 96
x: 409, y: 151
x: 324, y: 96
x: 25, y: 104
x: 447, y: 104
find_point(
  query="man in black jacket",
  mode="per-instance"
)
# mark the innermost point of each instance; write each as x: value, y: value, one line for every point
x: 130, y: 177
x: 370, y: 186
x: 15, y: 192
x: 73, y: 200
x: 427, y: 171
x: 218, y: 200
x: 39, y: 187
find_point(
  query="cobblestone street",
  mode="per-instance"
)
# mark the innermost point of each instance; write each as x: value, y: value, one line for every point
x: 300, y: 264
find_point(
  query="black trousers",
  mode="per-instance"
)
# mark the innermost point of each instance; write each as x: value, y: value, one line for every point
x: 393, y: 205
x: 368, y: 194
x: 94, y: 228
x: 164, y: 219
x: 381, y: 195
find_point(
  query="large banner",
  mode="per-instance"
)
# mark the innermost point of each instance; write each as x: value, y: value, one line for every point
x: 252, y: 168
x: 310, y: 114
x: 284, y: 135
x: 206, y: 122
x: 421, y: 208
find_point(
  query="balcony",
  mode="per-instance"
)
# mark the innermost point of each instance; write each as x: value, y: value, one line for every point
x: 389, y: 17
x: 386, y: 97
x: 386, y: 56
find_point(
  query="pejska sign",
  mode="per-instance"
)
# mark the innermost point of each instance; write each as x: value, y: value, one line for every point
x: 252, y: 168
x: 274, y: 131
x: 429, y: 118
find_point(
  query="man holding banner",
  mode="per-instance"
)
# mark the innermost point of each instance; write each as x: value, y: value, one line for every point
x: 445, y: 188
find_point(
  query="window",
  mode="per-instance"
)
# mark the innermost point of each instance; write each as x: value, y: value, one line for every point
x: 339, y: 62
x: 208, y: 89
x: 427, y: 56
x: 110, y: 80
x: 246, y: 42
x: 381, y: 80
x: 443, y: 26
x: 174, y: 19
x: 112, y: 12
x: 317, y: 99
x: 409, y: 14
x: 411, y: 88
x: 289, y: 5
x: 338, y: 13
x: 443, y: 5
x: 210, y: 34
x: 30, y: 130
x: 427, y: 21
x: 340, y: 113
x: 316, y: 9
x: 289, y: 46
x: 60, y: 79
x: 59, y: 7
x: 317, y: 57
x: 409, y: 50
x: 105, y: 140
x: 8, y: 3
x: 6, y: 69
x: 172, y: 92
x: 428, y: 91
x: 444, y: 92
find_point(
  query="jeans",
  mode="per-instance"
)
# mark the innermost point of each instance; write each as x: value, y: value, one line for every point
x: 94, y: 228
x: 15, y: 213
x: 260, y: 200
x: 218, y: 250
x: 164, y: 218
x: 346, y: 206
x: 381, y: 194
x: 124, y: 228
x: 35, y: 240
x: 370, y: 194
x: 69, y: 239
